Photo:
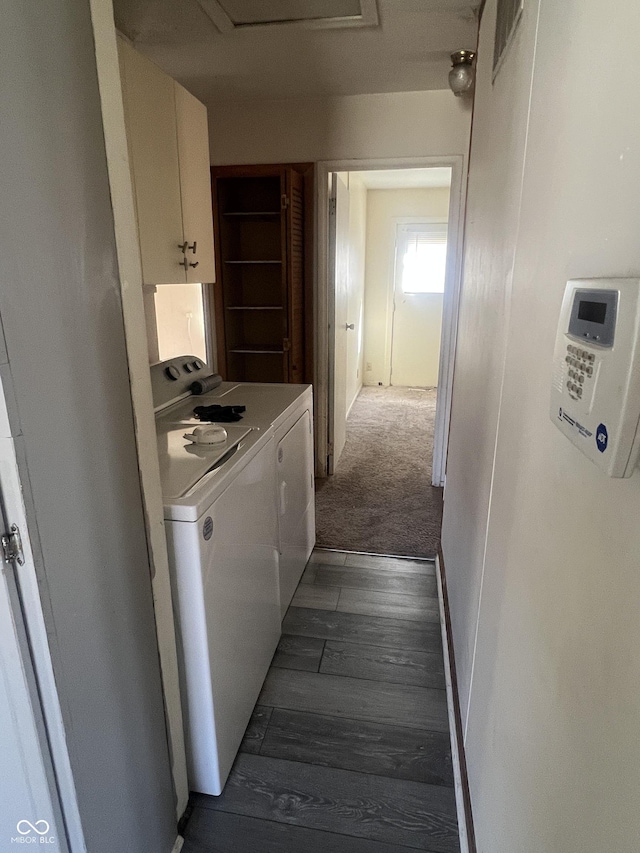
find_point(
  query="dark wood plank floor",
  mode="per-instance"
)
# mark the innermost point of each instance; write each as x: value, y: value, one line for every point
x: 348, y: 748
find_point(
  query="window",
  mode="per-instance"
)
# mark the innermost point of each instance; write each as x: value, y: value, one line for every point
x: 422, y: 256
x: 180, y: 320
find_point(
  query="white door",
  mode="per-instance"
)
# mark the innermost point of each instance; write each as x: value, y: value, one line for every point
x: 421, y: 254
x: 338, y: 313
x: 355, y: 300
x: 29, y: 805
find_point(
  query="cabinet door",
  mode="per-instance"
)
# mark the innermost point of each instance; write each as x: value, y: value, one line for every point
x: 150, y: 115
x: 195, y: 184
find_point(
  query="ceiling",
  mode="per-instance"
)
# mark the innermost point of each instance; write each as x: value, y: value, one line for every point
x: 233, y: 54
x: 405, y: 179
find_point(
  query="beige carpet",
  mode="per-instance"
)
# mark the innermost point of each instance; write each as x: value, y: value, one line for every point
x: 381, y: 499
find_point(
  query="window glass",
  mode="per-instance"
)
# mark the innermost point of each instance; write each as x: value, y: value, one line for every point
x: 180, y: 320
x: 423, y: 253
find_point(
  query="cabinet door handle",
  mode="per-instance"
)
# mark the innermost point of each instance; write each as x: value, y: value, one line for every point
x: 193, y: 248
x: 350, y: 325
x: 194, y: 265
x: 184, y: 263
x: 183, y: 247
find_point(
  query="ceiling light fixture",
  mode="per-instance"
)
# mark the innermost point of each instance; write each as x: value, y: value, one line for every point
x: 463, y: 74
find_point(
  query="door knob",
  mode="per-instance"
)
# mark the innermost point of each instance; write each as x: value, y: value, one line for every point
x: 350, y: 325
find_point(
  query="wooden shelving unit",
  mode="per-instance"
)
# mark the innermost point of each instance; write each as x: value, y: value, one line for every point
x: 262, y: 301
x: 252, y: 213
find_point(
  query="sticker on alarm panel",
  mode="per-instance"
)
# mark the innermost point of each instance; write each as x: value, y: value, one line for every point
x: 595, y: 387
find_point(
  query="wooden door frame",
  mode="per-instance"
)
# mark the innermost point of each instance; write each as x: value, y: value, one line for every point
x: 458, y: 165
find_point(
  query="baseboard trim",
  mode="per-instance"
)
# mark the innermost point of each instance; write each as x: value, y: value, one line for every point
x: 463, y: 796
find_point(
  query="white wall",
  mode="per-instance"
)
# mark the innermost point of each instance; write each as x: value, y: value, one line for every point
x: 405, y: 124
x: 72, y: 418
x: 499, y: 135
x: 355, y: 300
x: 385, y: 209
x: 532, y: 530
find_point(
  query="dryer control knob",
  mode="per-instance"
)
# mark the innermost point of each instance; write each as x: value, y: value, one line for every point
x: 172, y: 372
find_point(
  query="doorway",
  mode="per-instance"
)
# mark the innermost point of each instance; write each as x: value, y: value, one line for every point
x: 392, y: 271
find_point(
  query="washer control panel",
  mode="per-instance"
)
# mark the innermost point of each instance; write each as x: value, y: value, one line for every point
x: 595, y: 389
x: 171, y: 378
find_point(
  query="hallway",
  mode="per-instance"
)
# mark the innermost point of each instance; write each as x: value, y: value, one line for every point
x: 381, y: 499
x: 348, y: 749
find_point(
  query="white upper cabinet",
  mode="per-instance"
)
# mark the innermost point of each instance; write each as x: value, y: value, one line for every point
x: 195, y: 184
x: 169, y: 155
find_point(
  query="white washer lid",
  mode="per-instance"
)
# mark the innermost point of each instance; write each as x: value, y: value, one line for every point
x: 266, y: 403
x: 183, y: 464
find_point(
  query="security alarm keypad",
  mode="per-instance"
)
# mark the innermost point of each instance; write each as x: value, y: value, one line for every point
x: 595, y: 396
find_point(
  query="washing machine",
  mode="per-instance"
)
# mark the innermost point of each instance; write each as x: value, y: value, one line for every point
x: 240, y: 526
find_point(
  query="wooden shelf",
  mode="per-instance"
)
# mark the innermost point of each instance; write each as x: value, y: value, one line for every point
x: 252, y: 213
x: 253, y: 262
x: 258, y: 350
x: 255, y: 307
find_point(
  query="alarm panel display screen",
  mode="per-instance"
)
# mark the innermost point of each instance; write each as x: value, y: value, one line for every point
x: 593, y: 312
x: 593, y: 316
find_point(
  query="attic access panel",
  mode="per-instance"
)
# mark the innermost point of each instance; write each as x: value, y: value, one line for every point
x: 229, y: 15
